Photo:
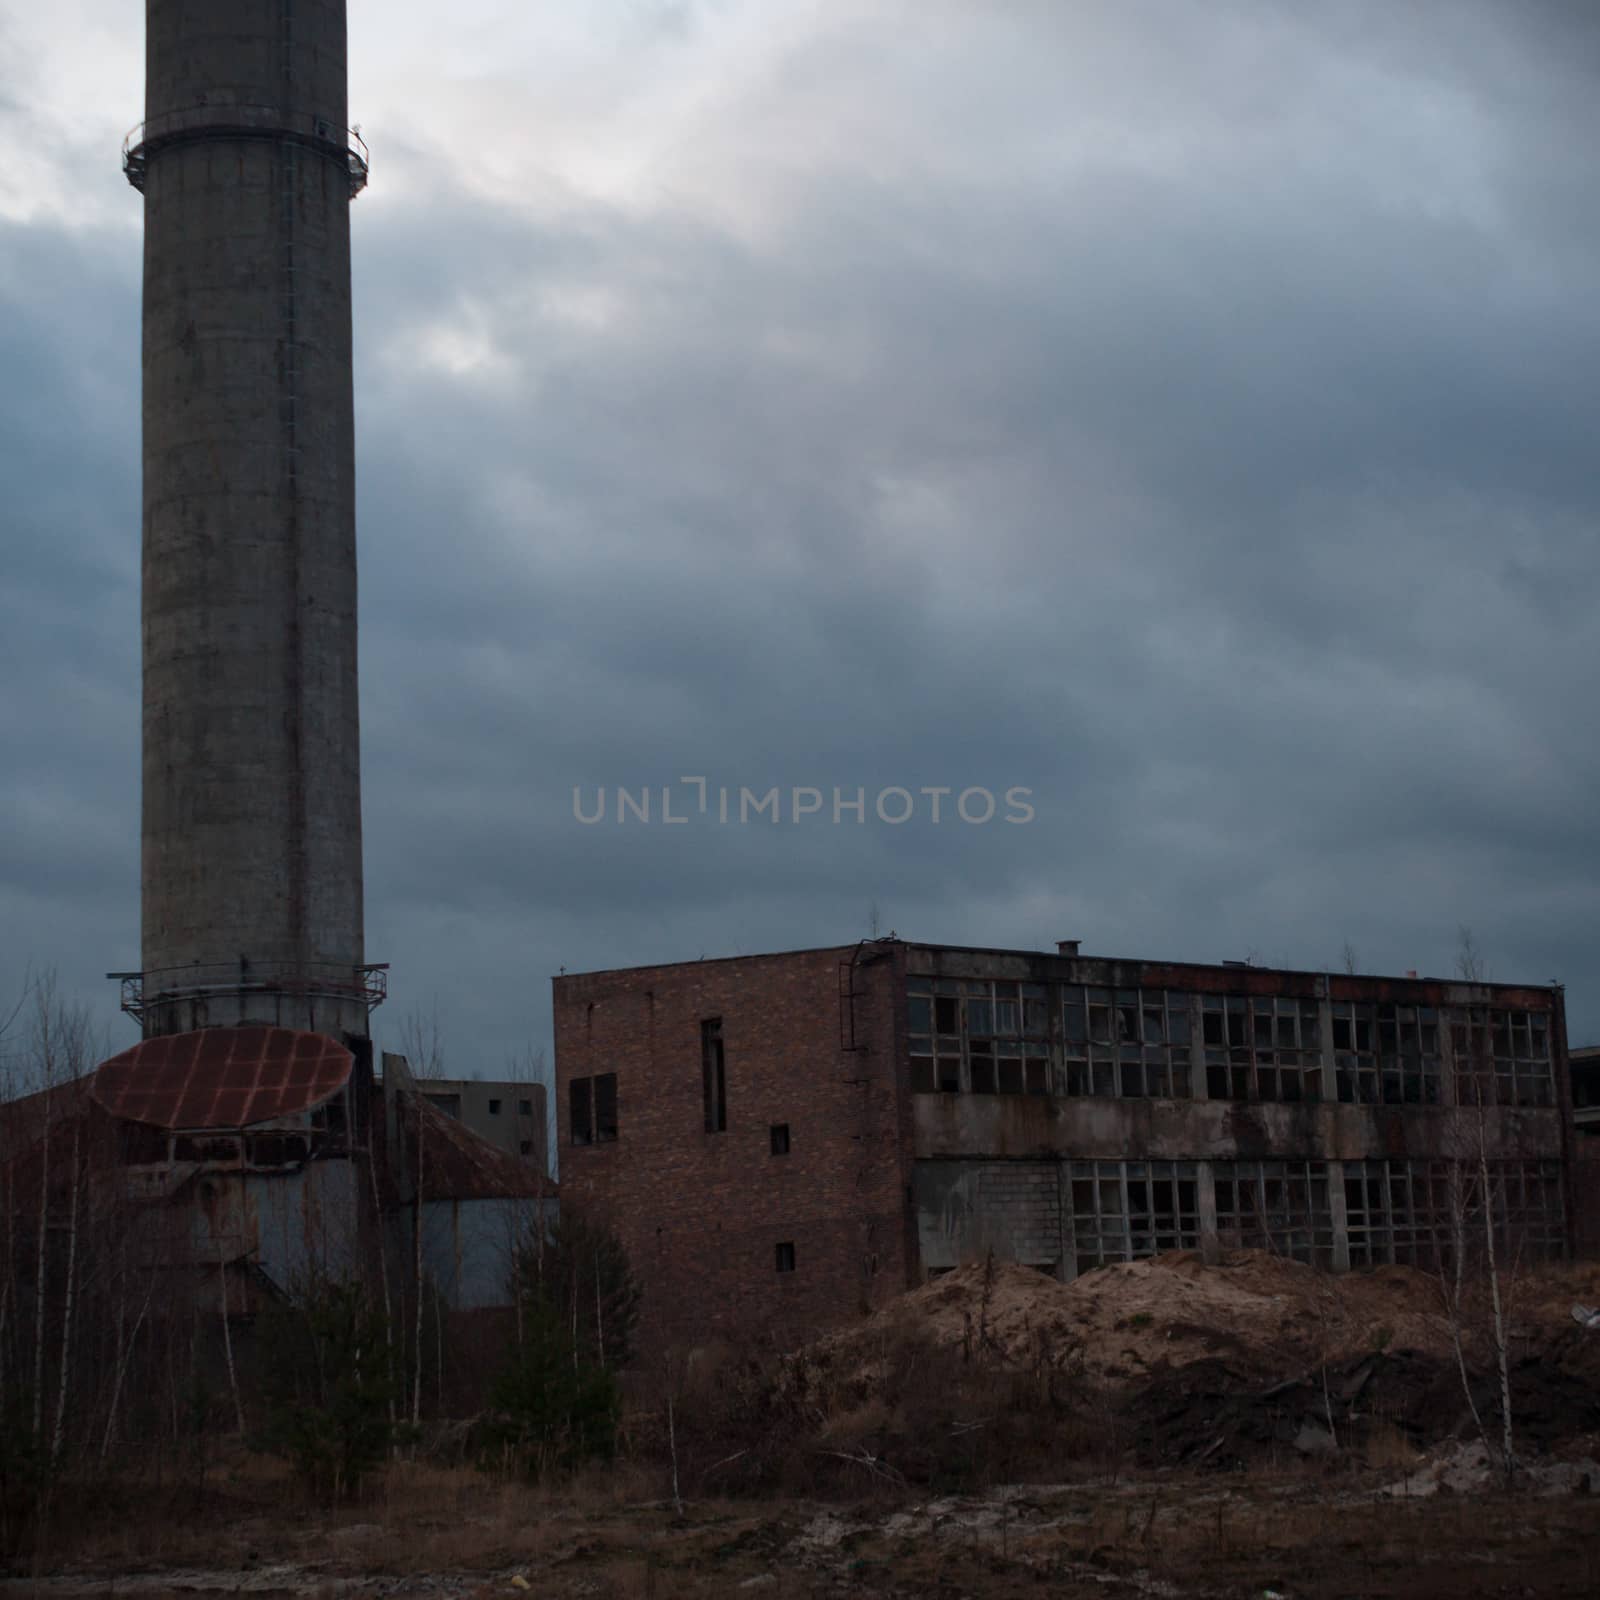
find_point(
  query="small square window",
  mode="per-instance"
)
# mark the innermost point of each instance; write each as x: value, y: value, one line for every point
x: 524, y: 1108
x: 780, y: 1138
x: 526, y: 1147
x: 494, y: 1108
x: 786, y: 1257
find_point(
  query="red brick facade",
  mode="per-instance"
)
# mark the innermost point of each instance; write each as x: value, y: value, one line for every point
x: 702, y: 1214
x: 1064, y: 1111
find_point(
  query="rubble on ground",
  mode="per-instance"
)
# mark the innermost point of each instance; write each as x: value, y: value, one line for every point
x: 1212, y: 1363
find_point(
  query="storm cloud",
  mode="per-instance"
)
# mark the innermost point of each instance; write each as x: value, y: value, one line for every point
x: 1183, y: 412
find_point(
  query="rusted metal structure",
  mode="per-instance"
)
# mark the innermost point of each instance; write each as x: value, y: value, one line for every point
x: 247, y: 1128
x: 243, y: 1150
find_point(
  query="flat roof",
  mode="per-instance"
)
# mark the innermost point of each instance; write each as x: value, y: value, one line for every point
x: 1054, y: 955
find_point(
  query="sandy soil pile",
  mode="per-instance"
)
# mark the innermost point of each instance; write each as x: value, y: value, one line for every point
x: 1250, y: 1308
x: 1207, y: 1363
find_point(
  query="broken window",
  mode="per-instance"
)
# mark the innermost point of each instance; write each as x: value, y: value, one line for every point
x: 211, y: 1149
x: 934, y: 1035
x: 1419, y: 1212
x: 140, y: 1145
x: 1035, y: 1011
x: 1150, y: 1055
x: 1237, y: 1010
x: 713, y: 1075
x: 494, y: 1108
x: 779, y: 1133
x: 1007, y: 1010
x: 1273, y: 1050
x: 981, y: 1065
x: 1408, y: 1060
x: 1123, y: 1210
x: 1400, y: 1211
x: 330, y: 1116
x: 580, y: 1110
x: 1500, y: 1057
x: 1008, y: 1070
x: 275, y: 1149
x: 1099, y: 1016
x: 1282, y: 1206
x: 1355, y: 1058
x: 1526, y: 1073
x: 1471, y: 1057
x: 525, y: 1147
x: 592, y: 1109
x: 785, y: 1257
x: 1528, y: 1209
x: 605, y: 1107
x: 988, y: 1035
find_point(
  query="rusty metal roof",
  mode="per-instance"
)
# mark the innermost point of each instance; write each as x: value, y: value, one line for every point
x: 222, y: 1077
x: 459, y: 1165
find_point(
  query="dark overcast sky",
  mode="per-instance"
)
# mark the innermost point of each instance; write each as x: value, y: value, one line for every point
x: 1186, y: 411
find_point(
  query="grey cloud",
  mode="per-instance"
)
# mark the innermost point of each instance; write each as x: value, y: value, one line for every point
x: 1224, y: 477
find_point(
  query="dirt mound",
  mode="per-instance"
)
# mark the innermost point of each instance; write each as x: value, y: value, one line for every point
x: 1135, y: 1318
x: 1214, y: 1363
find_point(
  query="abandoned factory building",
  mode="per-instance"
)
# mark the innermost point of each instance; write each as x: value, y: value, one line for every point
x: 783, y: 1141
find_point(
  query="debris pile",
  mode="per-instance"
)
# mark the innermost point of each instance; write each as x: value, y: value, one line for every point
x: 1212, y: 1363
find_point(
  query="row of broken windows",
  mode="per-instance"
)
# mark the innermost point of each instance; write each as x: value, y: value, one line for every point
x: 990, y: 1037
x: 140, y: 1144
x: 1396, y: 1211
x: 1422, y: 1213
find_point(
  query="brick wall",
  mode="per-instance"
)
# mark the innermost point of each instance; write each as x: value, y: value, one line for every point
x: 702, y: 1214
x: 1586, y: 1200
x: 966, y: 1208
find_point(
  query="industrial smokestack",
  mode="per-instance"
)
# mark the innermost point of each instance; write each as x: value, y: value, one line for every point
x: 251, y: 832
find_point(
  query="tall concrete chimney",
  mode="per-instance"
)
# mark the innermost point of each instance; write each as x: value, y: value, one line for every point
x: 251, y: 837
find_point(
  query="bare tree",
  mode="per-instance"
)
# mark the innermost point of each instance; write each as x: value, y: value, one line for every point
x: 44, y: 1060
x: 1473, y: 1194
x: 383, y: 1263
x: 75, y: 1186
x: 422, y: 1046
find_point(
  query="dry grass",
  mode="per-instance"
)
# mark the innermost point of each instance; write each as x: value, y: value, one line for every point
x: 1303, y: 1530
x: 1389, y: 1450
